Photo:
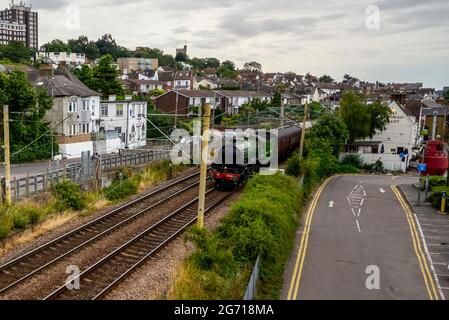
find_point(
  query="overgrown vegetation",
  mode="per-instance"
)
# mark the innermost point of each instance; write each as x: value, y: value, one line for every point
x: 69, y: 196
x: 263, y: 222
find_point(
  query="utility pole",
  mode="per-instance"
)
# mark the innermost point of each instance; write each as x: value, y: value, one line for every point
x: 203, y: 169
x: 303, y: 131
x: 282, y: 111
x: 7, y: 155
x: 176, y: 109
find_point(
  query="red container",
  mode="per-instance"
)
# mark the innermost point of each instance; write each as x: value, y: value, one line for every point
x: 436, y: 158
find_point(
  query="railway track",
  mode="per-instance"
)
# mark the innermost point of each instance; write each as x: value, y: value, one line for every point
x: 101, y: 277
x: 23, y: 267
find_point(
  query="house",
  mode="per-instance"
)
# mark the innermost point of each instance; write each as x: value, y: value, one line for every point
x: 62, y: 58
x: 74, y: 114
x: 122, y: 121
x: 183, y: 80
x: 399, y: 137
x: 205, y: 83
x: 232, y: 100
x: 143, y: 87
x: 128, y: 65
x: 183, y: 102
x: 167, y: 78
x: 293, y: 99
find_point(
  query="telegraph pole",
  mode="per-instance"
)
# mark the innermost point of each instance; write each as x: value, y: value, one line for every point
x: 203, y: 170
x: 282, y: 112
x: 176, y: 109
x: 303, y: 131
x: 7, y: 155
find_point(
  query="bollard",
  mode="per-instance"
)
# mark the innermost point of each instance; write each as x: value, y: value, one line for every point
x: 443, y: 202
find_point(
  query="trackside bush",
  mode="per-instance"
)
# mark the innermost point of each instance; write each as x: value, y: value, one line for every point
x: 69, y: 196
x: 122, y: 189
x: 263, y: 222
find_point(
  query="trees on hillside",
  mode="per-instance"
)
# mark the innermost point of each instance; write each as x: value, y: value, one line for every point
x: 326, y: 79
x: 56, y: 46
x: 83, y: 45
x: 362, y: 119
x: 16, y: 52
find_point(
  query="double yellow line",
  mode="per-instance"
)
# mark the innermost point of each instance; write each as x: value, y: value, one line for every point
x: 428, y: 279
x: 296, y: 279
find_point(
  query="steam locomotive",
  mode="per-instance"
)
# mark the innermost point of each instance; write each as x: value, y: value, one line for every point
x: 236, y: 162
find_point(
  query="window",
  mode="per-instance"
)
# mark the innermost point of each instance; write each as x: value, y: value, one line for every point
x: 72, y: 128
x: 86, y: 105
x: 118, y: 129
x: 119, y: 110
x: 104, y: 110
x: 72, y: 107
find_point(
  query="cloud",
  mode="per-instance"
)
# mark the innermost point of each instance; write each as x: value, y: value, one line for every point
x: 320, y: 36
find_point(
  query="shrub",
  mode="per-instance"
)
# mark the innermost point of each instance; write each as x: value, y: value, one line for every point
x: 122, y: 189
x: 353, y: 160
x: 347, y: 168
x: 293, y: 167
x: 6, y: 222
x: 20, y: 220
x: 69, y: 195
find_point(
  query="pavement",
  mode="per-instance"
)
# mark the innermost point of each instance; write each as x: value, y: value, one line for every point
x: 359, y: 242
x: 434, y: 229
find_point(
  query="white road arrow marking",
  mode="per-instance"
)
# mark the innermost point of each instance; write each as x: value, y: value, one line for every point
x: 382, y: 190
x: 331, y: 204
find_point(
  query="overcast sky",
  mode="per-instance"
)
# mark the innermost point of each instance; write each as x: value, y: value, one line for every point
x: 409, y: 41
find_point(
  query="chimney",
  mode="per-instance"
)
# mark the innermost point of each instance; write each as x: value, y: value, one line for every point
x: 46, y: 70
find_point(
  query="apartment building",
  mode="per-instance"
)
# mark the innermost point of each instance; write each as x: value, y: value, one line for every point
x: 24, y: 16
x: 12, y: 31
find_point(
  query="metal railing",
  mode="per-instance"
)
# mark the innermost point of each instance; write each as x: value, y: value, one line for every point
x: 252, y: 285
x: 29, y: 185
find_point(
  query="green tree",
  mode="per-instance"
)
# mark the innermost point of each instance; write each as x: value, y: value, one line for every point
x: 84, y: 74
x: 331, y: 128
x: 229, y: 65
x: 56, y: 46
x: 83, y: 45
x: 361, y: 119
x: 326, y: 79
x: 16, y: 52
x: 181, y: 57
x: 277, y: 100
x: 446, y: 95
x: 212, y: 63
x: 104, y: 78
x: 30, y: 135
x: 157, y: 92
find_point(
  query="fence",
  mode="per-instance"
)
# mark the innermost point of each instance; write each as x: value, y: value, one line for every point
x: 24, y: 187
x: 252, y: 285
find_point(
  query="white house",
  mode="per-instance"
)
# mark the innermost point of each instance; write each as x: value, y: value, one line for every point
x: 124, y: 120
x: 233, y: 100
x: 183, y: 80
x: 398, y: 138
x: 205, y: 83
x: 56, y: 58
x: 74, y: 113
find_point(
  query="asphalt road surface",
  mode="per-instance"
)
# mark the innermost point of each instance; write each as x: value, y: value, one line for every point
x: 358, y: 242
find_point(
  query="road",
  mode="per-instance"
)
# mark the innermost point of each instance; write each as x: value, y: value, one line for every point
x: 359, y: 242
